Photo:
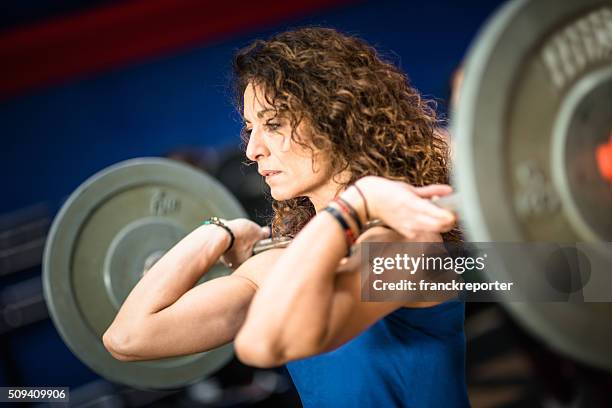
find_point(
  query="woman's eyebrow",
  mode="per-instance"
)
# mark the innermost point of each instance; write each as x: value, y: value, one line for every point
x: 264, y: 111
x: 260, y: 114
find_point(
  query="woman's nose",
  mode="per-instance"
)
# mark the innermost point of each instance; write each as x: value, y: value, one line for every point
x: 256, y: 147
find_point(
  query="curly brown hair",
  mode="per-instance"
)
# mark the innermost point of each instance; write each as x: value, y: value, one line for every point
x: 362, y: 110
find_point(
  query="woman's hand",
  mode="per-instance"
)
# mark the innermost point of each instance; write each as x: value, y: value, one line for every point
x: 246, y: 233
x: 405, y: 208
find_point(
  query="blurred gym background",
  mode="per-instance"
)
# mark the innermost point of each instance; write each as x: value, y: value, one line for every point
x: 86, y: 84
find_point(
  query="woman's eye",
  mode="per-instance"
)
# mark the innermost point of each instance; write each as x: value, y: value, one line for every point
x: 273, y: 126
x: 269, y: 126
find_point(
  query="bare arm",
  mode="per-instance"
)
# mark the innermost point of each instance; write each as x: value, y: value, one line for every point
x: 289, y: 314
x: 301, y: 311
x: 165, y: 315
x: 304, y: 307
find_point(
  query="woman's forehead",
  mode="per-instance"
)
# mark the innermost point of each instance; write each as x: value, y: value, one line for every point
x: 255, y: 100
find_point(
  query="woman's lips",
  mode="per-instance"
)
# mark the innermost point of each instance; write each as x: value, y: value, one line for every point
x: 269, y: 176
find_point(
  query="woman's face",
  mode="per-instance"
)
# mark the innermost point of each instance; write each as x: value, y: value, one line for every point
x: 270, y: 145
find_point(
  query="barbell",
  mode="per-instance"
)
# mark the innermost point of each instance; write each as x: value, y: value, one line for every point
x: 532, y: 122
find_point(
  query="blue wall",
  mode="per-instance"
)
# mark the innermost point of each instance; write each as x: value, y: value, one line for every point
x: 54, y: 139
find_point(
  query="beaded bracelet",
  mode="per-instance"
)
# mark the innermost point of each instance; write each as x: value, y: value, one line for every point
x: 348, y: 232
x: 219, y: 222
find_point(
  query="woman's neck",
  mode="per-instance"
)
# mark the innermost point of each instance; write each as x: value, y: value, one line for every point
x: 324, y: 194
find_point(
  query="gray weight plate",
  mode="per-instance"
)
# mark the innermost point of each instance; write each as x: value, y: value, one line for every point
x: 535, y: 101
x: 110, y: 229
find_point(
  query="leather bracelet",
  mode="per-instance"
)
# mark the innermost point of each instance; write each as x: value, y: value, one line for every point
x: 365, y: 203
x: 348, y: 232
x: 219, y: 222
x: 349, y: 209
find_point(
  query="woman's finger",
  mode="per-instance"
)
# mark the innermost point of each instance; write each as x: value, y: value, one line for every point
x: 433, y: 190
x: 423, y: 206
x: 421, y: 223
x: 424, y: 222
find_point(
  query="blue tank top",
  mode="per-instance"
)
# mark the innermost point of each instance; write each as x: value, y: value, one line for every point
x: 413, y: 357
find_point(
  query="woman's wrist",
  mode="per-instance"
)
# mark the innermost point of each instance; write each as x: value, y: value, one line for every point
x: 217, y: 235
x: 356, y: 196
x: 220, y: 222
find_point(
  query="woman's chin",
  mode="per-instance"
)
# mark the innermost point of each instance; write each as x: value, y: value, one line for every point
x: 277, y: 196
x: 280, y: 195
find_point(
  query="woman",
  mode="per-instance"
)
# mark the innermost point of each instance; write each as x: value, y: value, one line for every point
x: 341, y: 139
